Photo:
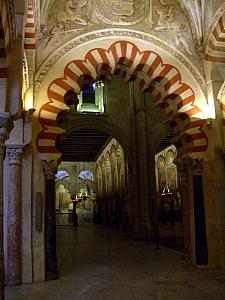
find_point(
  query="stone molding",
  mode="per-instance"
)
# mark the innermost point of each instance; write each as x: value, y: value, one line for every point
x: 50, y: 168
x: 15, y: 154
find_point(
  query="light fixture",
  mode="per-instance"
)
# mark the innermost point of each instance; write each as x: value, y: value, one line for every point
x: 28, y: 113
x: 166, y: 192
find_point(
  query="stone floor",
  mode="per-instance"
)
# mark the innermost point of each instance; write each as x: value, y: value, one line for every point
x: 98, y: 264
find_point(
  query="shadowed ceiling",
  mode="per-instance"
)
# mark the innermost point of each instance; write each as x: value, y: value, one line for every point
x: 82, y: 145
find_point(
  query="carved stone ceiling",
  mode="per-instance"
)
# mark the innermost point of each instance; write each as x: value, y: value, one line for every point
x: 65, y: 19
x: 180, y: 23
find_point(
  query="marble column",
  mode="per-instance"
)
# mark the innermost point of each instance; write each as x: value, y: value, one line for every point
x: 14, y: 245
x: 184, y: 184
x: 201, y: 248
x: 6, y: 125
x: 51, y: 265
x: 1, y: 217
x: 143, y: 163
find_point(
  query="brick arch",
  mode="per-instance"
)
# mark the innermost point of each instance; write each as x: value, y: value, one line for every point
x: 163, y: 81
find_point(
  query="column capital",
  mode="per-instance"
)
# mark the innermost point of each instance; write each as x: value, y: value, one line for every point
x: 197, y: 166
x: 15, y: 154
x: 50, y: 168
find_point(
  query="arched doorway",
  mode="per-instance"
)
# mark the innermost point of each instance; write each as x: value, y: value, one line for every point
x: 155, y: 93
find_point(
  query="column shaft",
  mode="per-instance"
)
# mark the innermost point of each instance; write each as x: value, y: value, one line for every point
x: 51, y: 265
x: 201, y: 248
x: 14, y: 259
x: 1, y: 223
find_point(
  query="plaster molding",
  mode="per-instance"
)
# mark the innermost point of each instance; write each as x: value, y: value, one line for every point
x: 25, y: 71
x: 115, y: 32
x: 196, y: 13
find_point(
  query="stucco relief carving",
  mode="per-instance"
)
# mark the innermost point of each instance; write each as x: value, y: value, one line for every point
x: 182, y: 44
x: 167, y: 17
x: 41, y: 73
x: 64, y: 15
x: 121, y: 12
x: 69, y: 12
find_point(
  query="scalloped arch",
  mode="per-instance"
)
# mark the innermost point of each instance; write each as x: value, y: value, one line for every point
x: 124, y: 58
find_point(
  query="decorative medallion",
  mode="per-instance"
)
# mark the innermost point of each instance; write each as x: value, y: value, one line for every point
x: 122, y: 12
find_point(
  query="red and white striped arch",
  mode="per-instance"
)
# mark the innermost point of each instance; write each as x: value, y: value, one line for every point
x: 4, y: 51
x: 215, y: 50
x: 30, y: 42
x: 153, y: 75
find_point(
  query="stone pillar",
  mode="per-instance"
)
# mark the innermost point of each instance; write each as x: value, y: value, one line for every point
x: 51, y: 266
x: 201, y: 248
x: 5, y: 128
x: 143, y: 162
x: 2, y: 139
x: 14, y: 243
x: 184, y: 184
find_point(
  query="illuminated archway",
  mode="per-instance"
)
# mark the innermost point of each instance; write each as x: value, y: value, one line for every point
x: 185, y: 112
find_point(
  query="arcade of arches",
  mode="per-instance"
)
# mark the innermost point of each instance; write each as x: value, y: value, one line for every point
x: 125, y: 102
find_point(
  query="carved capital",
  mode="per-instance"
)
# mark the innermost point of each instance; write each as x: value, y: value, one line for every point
x: 50, y: 168
x: 15, y: 154
x: 197, y: 166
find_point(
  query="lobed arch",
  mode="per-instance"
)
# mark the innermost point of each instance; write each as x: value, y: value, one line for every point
x: 215, y: 45
x: 185, y: 108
